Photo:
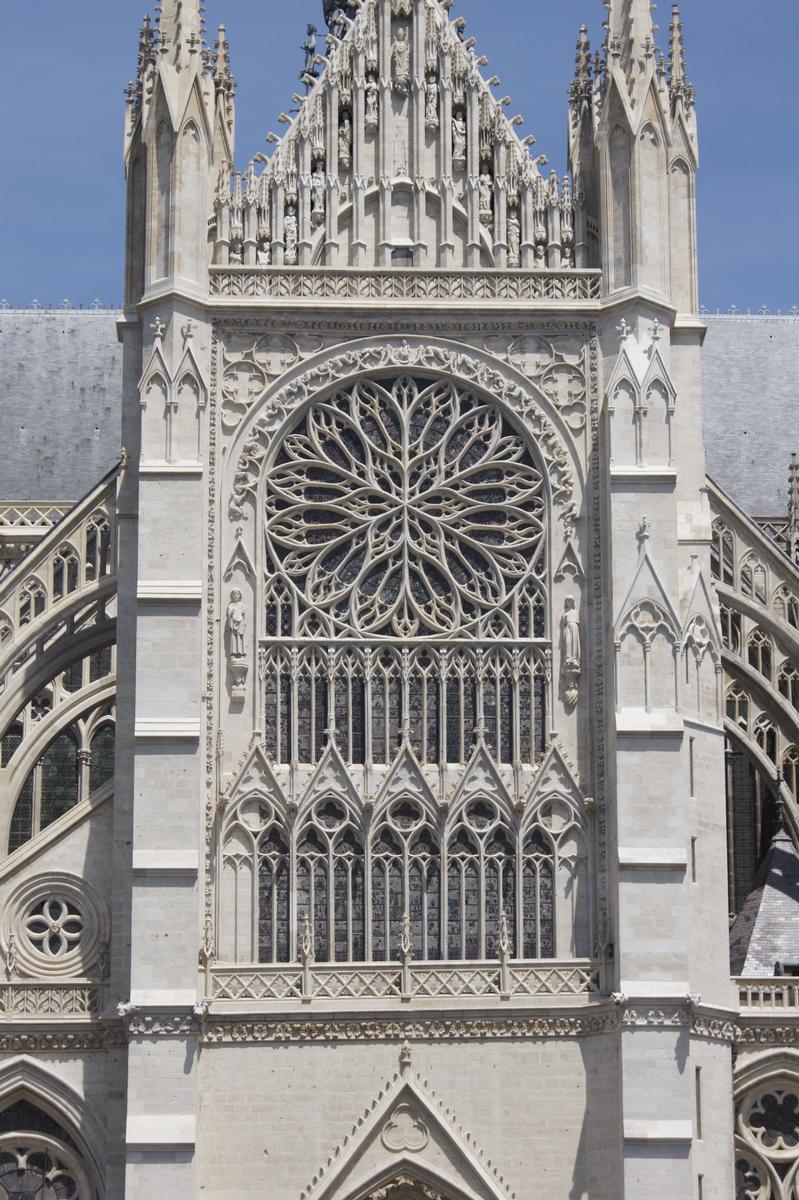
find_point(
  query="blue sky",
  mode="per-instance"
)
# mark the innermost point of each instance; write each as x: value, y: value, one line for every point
x: 61, y: 110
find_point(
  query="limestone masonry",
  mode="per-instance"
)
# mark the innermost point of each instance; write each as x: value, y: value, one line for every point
x: 399, y: 654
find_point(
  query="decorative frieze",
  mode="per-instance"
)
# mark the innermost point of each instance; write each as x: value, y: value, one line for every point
x: 448, y: 286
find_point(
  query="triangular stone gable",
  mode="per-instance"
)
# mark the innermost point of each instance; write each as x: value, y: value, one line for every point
x: 406, y: 1132
x: 332, y: 779
x: 658, y: 372
x: 556, y: 776
x: 701, y: 606
x: 254, y: 777
x: 646, y: 585
x: 406, y: 778
x: 401, y: 155
x: 630, y: 367
x: 481, y: 779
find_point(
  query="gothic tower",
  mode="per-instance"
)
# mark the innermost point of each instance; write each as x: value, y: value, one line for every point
x: 420, y: 852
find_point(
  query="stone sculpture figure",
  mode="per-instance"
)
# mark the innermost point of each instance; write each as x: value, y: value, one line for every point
x: 290, y: 230
x: 459, y: 139
x: 431, y: 105
x: 318, y: 196
x: 309, y: 46
x: 571, y: 650
x: 237, y: 625
x: 401, y: 60
x: 486, y: 197
x: 345, y: 141
x: 372, y: 117
x: 514, y: 239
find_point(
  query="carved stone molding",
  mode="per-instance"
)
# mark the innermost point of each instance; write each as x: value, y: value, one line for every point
x: 73, y: 1041
x: 467, y: 286
x: 226, y: 1032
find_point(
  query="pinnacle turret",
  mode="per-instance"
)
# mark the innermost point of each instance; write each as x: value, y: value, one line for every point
x: 680, y: 90
x: 583, y: 85
x: 630, y: 40
x: 181, y: 28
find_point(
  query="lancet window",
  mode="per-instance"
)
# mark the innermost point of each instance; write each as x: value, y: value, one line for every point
x: 406, y: 589
x: 722, y: 554
x: 78, y: 761
x: 403, y: 881
x: 761, y: 653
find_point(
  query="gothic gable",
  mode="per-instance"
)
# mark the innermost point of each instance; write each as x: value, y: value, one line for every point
x: 407, y: 1143
x: 399, y: 155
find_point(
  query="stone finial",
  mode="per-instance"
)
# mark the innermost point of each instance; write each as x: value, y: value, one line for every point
x: 405, y: 1057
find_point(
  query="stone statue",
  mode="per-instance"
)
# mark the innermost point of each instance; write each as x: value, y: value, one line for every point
x: 345, y: 141
x: 514, y: 238
x: 570, y: 629
x: 372, y: 118
x: 309, y: 46
x: 431, y: 105
x: 571, y: 651
x: 236, y: 254
x: 318, y: 196
x: 401, y: 60
x: 264, y: 253
x: 486, y: 197
x: 459, y: 138
x: 291, y: 235
x: 237, y: 625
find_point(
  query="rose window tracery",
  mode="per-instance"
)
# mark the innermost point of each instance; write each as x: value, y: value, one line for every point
x: 54, y: 927
x: 406, y: 508
x: 767, y: 1142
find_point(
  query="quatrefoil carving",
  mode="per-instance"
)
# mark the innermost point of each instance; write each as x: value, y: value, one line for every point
x: 405, y: 1131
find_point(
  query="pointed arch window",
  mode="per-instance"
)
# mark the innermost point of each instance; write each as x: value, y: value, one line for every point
x: 731, y: 629
x: 786, y: 606
x: 760, y: 653
x: 722, y: 554
x: 738, y: 707
x: 788, y: 683
x: 766, y: 738
x: 331, y: 886
x: 790, y: 770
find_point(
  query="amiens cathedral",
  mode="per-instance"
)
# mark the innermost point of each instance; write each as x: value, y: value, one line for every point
x: 399, y: 652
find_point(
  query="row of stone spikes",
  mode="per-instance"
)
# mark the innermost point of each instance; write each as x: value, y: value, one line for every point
x: 734, y: 311
x: 35, y: 306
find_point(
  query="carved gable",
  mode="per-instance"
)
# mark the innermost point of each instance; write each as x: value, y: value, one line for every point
x: 400, y: 155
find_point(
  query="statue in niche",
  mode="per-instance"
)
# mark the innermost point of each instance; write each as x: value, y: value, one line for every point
x: 431, y: 104
x: 291, y: 236
x: 401, y: 60
x: 236, y: 625
x: 236, y: 254
x: 486, y: 198
x: 372, y: 118
x: 571, y: 651
x: 264, y: 253
x: 514, y: 238
x: 318, y: 196
x: 459, y: 139
x: 345, y: 141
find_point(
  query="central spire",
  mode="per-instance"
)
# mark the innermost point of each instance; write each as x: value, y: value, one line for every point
x: 631, y: 38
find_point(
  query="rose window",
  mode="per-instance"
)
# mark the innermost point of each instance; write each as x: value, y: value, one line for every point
x: 407, y: 508
x: 54, y: 927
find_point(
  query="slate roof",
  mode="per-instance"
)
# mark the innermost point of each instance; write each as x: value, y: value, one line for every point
x: 766, y: 931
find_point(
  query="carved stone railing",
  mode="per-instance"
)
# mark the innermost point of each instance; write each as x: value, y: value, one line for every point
x: 775, y: 994
x: 48, y: 1001
x: 396, y: 981
x: 297, y: 283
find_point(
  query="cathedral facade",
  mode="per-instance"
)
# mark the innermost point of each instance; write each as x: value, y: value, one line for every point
x: 389, y: 737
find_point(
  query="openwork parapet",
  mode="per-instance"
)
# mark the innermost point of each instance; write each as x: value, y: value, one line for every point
x: 404, y: 981
x: 296, y: 283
